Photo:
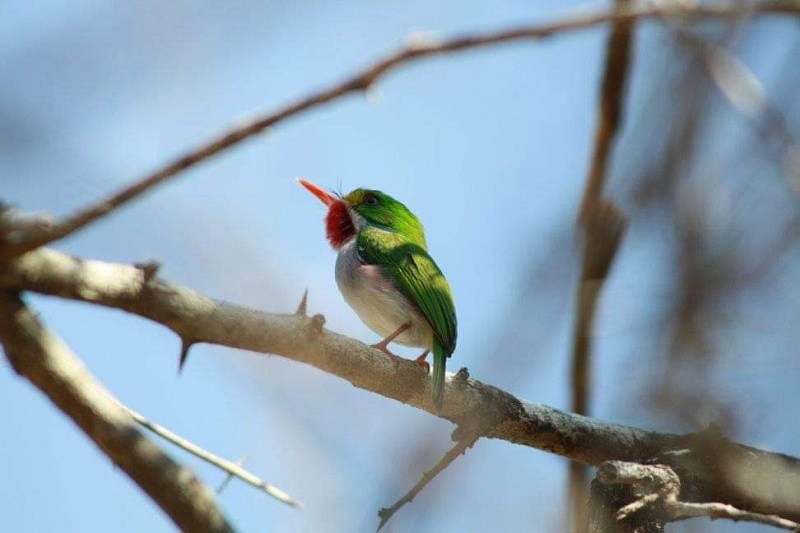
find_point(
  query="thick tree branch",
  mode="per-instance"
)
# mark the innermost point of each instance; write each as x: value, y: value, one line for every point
x: 748, y: 478
x: 38, y: 355
x: 13, y: 244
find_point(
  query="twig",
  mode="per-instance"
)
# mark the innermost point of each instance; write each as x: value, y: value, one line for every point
x: 461, y: 447
x: 16, y: 245
x: 42, y: 358
x: 231, y: 468
x: 684, y: 510
x: 660, y: 485
x: 470, y: 402
x: 603, y: 228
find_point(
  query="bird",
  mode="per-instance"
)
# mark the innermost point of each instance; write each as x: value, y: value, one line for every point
x: 387, y: 276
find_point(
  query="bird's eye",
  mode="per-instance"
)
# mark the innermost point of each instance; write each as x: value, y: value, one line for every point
x: 371, y: 200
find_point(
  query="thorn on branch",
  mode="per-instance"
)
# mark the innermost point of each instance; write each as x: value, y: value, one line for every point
x: 186, y: 345
x: 302, y: 309
x: 149, y: 269
x: 461, y: 376
x: 317, y: 325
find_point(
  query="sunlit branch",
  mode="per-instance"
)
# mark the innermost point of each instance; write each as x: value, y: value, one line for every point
x: 469, y: 403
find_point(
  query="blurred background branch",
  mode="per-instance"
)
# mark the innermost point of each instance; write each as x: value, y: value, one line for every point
x: 23, y: 240
x: 47, y: 363
x: 603, y: 227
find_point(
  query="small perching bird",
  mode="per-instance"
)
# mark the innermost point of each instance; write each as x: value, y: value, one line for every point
x: 385, y: 274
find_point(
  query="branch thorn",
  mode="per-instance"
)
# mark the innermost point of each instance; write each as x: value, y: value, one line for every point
x: 186, y: 344
x: 303, y: 307
x: 149, y: 269
x: 317, y: 323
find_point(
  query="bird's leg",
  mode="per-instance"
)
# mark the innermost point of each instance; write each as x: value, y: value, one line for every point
x: 422, y: 362
x: 382, y: 346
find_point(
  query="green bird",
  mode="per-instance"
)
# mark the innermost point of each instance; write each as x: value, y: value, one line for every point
x: 386, y: 275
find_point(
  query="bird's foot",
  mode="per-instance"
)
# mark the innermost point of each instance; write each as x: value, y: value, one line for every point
x: 422, y: 362
x: 382, y: 347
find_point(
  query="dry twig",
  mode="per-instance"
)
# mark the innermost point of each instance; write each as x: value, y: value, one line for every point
x: 460, y: 448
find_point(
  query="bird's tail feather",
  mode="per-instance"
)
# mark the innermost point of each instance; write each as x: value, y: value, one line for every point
x: 439, y: 364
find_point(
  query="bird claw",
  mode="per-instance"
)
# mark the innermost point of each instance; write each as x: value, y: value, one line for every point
x: 423, y: 363
x: 382, y: 347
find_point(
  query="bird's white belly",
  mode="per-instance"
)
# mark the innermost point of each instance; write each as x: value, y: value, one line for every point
x: 377, y: 303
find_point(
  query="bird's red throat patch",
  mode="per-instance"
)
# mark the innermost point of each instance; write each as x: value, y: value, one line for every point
x: 339, y: 226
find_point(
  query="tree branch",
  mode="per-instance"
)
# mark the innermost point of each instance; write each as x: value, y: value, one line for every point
x: 42, y: 358
x: 764, y: 482
x: 231, y: 468
x: 16, y: 243
x: 460, y: 448
x: 659, y: 485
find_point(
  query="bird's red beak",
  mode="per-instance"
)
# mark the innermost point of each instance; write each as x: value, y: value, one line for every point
x: 324, y: 196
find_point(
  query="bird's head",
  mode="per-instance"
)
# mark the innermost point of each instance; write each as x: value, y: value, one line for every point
x: 348, y: 214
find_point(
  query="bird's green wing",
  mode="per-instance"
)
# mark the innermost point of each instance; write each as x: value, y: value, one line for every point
x: 415, y: 274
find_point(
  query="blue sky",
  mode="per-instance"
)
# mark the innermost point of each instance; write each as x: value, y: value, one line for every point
x: 488, y: 148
